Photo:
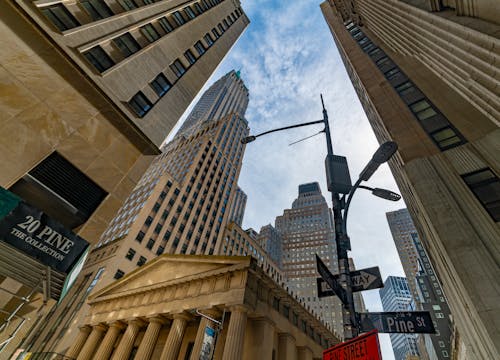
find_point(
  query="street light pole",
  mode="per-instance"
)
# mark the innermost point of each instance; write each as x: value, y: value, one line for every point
x: 339, y: 182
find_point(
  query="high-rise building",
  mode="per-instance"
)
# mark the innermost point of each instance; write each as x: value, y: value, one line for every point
x: 396, y: 296
x: 423, y: 282
x: 308, y: 229
x: 238, y: 206
x: 270, y: 240
x: 426, y: 76
x: 180, y: 206
x: 90, y: 89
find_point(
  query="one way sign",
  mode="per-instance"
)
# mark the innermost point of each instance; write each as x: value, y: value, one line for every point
x: 365, y: 279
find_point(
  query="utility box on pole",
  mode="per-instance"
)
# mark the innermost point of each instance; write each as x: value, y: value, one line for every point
x: 337, y: 174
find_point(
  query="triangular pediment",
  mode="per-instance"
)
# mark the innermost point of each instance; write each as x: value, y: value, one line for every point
x: 168, y: 269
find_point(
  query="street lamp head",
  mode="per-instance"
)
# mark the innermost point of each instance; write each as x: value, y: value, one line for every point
x: 385, y: 152
x: 248, y: 139
x: 386, y: 194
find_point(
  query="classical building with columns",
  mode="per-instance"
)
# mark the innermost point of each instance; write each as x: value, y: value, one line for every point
x: 192, y: 306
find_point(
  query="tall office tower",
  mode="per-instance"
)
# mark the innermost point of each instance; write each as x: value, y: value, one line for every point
x: 426, y: 75
x: 223, y: 97
x: 89, y: 90
x: 237, y: 210
x: 424, y: 285
x: 270, y: 239
x: 180, y: 206
x: 396, y: 296
x: 308, y: 229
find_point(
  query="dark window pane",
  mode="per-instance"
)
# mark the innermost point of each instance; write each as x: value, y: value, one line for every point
x: 60, y: 17
x: 142, y: 261
x: 486, y: 187
x: 128, y: 4
x: 178, y: 18
x: 140, y: 104
x: 126, y: 44
x: 199, y: 48
x: 161, y: 85
x: 165, y: 24
x: 189, y: 12
x: 130, y: 254
x: 119, y: 274
x: 97, y: 9
x: 208, y: 40
x: 99, y: 58
x: 150, y: 33
x: 178, y: 68
x: 190, y: 57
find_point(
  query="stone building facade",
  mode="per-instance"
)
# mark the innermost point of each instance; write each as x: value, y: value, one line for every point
x: 426, y: 73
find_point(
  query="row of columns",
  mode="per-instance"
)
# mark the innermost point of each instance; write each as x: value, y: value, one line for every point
x: 97, y: 342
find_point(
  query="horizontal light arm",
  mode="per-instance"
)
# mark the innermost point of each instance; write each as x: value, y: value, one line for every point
x: 253, y: 137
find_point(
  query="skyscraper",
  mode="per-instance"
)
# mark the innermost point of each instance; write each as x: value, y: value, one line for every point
x: 180, y: 206
x: 308, y: 229
x: 425, y: 74
x: 90, y: 89
x: 270, y: 240
x: 422, y: 280
x: 396, y: 296
x: 237, y: 210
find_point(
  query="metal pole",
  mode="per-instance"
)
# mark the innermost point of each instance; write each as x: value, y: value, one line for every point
x: 349, y: 314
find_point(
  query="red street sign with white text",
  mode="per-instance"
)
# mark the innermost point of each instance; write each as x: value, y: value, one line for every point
x: 363, y: 347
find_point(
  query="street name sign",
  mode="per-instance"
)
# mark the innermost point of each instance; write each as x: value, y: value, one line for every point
x: 364, y: 347
x: 411, y: 322
x: 330, y: 280
x: 364, y: 279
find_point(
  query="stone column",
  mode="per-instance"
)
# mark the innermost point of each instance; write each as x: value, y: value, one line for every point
x: 286, y: 347
x: 175, y: 335
x: 304, y: 353
x: 79, y: 342
x: 259, y: 340
x: 127, y: 342
x: 233, y: 348
x: 106, y: 348
x: 149, y: 340
x: 92, y: 342
x: 204, y: 322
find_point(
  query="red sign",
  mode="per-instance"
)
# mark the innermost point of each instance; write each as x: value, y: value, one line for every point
x: 364, y: 347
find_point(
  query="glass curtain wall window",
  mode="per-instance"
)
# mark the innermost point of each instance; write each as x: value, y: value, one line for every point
x: 60, y: 17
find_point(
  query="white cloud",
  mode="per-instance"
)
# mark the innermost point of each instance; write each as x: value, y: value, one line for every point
x: 287, y: 58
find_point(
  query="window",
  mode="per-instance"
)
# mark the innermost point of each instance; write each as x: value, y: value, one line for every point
x: 165, y: 24
x: 99, y: 58
x: 97, y: 9
x: 142, y: 261
x: 190, y: 57
x: 221, y: 28
x: 140, y: 104
x: 199, y: 48
x: 140, y: 236
x: 422, y: 109
x: 128, y: 4
x: 150, y: 244
x: 216, y: 33
x: 160, y: 250
x: 127, y: 44
x: 150, y: 33
x: 436, y: 307
x: 119, y: 274
x: 189, y: 12
x: 198, y: 8
x: 441, y: 343
x: 486, y: 187
x: 60, y: 17
x: 161, y: 85
x: 208, y: 40
x: 439, y: 315
x: 178, y: 68
x: 130, y: 254
x: 148, y: 221
x: 178, y: 18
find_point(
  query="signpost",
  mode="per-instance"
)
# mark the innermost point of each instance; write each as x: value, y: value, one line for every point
x: 365, y: 279
x: 330, y: 280
x: 364, y: 347
x: 411, y: 322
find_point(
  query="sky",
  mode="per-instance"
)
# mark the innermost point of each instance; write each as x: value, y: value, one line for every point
x: 287, y: 58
